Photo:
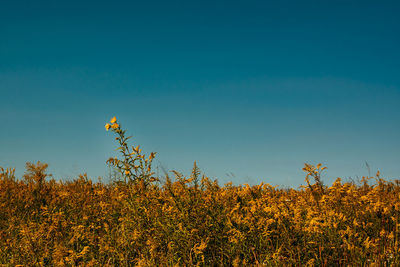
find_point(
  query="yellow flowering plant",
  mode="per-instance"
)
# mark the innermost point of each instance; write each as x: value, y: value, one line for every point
x: 194, y: 221
x: 318, y: 188
x: 134, y: 166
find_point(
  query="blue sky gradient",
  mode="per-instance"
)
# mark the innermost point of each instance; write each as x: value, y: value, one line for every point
x: 249, y: 89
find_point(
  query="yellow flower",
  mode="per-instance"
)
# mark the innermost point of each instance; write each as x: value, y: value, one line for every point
x: 152, y: 154
x: 115, y: 126
x: 107, y: 126
x: 113, y: 120
x: 127, y: 172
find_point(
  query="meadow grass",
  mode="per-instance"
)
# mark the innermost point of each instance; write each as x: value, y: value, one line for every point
x: 192, y: 220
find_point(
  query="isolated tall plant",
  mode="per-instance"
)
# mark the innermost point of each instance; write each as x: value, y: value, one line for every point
x: 133, y: 165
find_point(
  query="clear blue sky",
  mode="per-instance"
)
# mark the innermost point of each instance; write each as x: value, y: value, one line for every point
x: 249, y: 89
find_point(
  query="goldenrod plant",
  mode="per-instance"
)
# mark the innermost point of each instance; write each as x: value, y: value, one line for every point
x: 193, y: 221
x: 134, y: 166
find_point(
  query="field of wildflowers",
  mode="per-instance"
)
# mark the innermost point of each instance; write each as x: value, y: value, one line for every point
x: 192, y: 220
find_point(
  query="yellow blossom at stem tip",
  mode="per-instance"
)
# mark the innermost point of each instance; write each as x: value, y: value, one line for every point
x: 113, y: 120
x: 115, y: 126
x: 107, y: 126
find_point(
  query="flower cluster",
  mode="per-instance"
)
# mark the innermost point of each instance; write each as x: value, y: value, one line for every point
x: 113, y: 125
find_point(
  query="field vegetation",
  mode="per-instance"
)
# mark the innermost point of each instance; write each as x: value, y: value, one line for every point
x: 137, y: 220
